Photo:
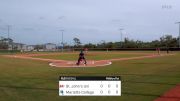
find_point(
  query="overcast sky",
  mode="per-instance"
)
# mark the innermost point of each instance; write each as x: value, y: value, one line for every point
x: 40, y: 21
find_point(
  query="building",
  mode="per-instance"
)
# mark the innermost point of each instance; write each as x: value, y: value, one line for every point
x: 50, y: 47
x: 29, y: 48
x: 19, y: 46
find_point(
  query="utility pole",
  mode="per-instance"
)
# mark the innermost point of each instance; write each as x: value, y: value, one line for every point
x: 62, y: 40
x: 179, y: 32
x: 121, y: 37
x: 8, y: 37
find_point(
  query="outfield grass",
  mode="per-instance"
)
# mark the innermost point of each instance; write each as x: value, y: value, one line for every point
x: 142, y: 80
x: 93, y: 55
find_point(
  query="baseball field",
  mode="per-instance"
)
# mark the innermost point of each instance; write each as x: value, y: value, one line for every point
x: 145, y: 75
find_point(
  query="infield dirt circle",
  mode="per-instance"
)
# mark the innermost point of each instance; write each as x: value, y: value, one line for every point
x: 90, y: 63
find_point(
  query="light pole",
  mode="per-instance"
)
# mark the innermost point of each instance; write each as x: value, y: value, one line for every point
x: 121, y: 36
x: 62, y: 41
x: 179, y: 32
x: 8, y: 30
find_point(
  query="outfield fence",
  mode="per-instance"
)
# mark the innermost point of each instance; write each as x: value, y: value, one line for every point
x: 127, y: 49
x: 92, y: 49
x: 9, y: 51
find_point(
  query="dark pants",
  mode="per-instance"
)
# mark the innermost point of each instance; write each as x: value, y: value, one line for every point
x: 80, y: 59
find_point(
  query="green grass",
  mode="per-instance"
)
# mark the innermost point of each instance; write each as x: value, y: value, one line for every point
x: 91, y: 55
x: 142, y: 80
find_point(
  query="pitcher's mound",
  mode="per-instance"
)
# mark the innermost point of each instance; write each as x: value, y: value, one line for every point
x: 90, y: 63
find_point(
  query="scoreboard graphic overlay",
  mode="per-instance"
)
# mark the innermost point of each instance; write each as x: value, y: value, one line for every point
x: 89, y: 86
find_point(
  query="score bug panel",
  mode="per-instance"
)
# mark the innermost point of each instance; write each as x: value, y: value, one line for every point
x: 89, y: 86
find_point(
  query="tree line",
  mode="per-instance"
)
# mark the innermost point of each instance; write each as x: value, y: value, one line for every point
x: 4, y: 42
x: 167, y: 41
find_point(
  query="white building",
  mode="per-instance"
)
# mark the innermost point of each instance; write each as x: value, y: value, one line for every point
x: 29, y: 48
x: 50, y: 47
x: 19, y: 46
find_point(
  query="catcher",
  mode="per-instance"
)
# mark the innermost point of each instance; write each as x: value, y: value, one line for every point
x: 81, y: 58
